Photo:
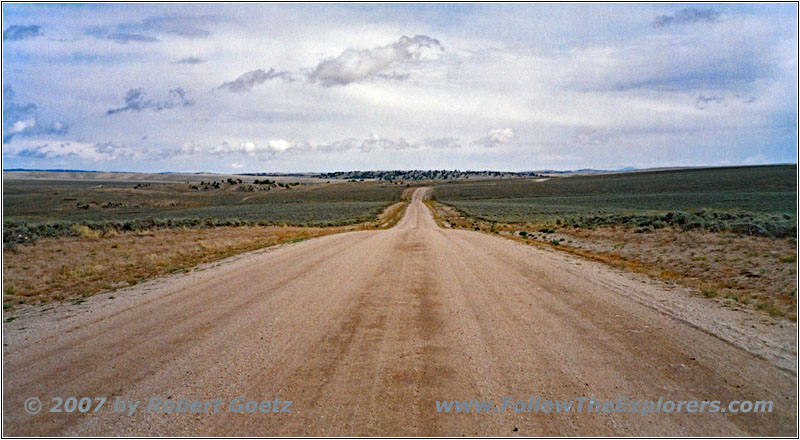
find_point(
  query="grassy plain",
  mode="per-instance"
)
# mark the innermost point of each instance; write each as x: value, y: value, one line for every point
x: 752, y: 200
x: 69, y: 239
x: 34, y: 209
x: 728, y: 233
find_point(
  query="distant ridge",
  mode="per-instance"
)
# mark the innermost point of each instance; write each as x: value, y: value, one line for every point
x: 358, y: 175
x: 581, y: 171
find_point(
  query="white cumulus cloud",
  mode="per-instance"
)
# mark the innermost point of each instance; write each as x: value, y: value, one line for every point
x: 497, y: 137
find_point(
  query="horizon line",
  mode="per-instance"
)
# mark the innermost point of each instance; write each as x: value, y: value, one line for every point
x: 550, y: 170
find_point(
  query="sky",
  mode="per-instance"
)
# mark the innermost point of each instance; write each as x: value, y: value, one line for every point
x: 233, y: 88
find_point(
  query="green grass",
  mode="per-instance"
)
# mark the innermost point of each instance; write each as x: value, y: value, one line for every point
x: 709, y: 292
x: 746, y: 200
x: 769, y: 179
x: 34, y: 209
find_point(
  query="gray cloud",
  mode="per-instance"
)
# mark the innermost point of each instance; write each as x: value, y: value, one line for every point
x: 705, y: 101
x: 355, y: 65
x: 746, y: 99
x: 78, y: 150
x: 12, y: 111
x: 185, y: 26
x: 127, y: 38
x: 591, y: 136
x: 146, y: 31
x: 377, y: 143
x: 664, y: 65
x: 393, y: 76
x: 253, y: 78
x: 37, y: 152
x: 339, y: 146
x: 350, y: 66
x: 135, y: 100
x: 113, y: 150
x: 190, y: 60
x: 15, y: 32
x: 120, y: 37
x: 373, y: 143
x: 441, y: 143
x: 687, y: 16
x: 20, y: 119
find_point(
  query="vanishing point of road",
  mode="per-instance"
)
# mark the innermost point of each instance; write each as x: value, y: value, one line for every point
x: 365, y: 331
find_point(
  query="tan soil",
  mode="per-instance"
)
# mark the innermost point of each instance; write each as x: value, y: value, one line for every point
x: 73, y: 267
x: 740, y: 272
x: 364, y: 331
x: 757, y: 271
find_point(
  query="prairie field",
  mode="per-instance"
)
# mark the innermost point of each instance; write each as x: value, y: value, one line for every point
x: 48, y: 208
x: 758, y: 200
x: 70, y: 239
x: 728, y: 233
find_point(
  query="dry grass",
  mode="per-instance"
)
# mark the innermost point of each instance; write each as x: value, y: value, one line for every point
x: 73, y: 267
x: 739, y: 271
x: 390, y: 216
x: 54, y: 269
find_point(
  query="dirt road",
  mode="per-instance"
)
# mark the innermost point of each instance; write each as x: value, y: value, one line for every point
x: 365, y: 331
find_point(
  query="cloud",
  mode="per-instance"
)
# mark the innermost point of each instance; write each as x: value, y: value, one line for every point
x: 135, y: 100
x: 248, y: 80
x: 687, y: 16
x: 279, y: 145
x: 188, y: 148
x: 375, y: 142
x: 705, y: 101
x: 350, y: 66
x: 354, y: 65
x: 701, y: 62
x: 249, y: 148
x: 237, y: 166
x: 497, y: 137
x: 441, y: 143
x: 758, y: 159
x: 504, y: 66
x: 78, y: 150
x: 190, y: 60
x: 590, y: 136
x: 15, y: 32
x: 20, y: 119
x: 147, y: 30
x: 339, y: 146
x: 372, y: 143
x: 127, y: 38
x: 184, y: 26
x: 120, y: 37
x: 113, y: 150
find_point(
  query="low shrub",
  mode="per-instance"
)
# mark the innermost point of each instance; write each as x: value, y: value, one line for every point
x: 738, y: 222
